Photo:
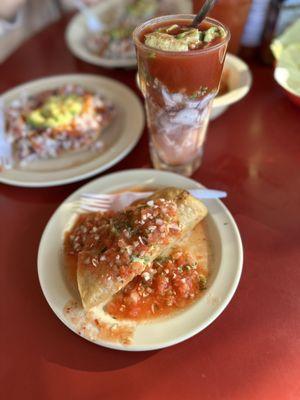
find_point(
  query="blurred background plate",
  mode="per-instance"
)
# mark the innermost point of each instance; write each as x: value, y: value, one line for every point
x: 118, y: 138
x: 76, y: 33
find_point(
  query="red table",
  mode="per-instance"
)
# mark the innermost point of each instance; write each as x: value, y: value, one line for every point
x: 252, y: 350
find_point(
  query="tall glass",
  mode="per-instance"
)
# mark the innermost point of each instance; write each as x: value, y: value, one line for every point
x: 179, y: 88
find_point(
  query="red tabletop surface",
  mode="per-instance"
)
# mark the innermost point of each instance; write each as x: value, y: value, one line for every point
x: 252, y: 351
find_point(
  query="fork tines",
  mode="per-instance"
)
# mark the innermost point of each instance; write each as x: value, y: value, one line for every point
x: 95, y: 202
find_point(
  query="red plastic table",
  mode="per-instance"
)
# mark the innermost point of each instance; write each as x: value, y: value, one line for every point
x: 252, y: 351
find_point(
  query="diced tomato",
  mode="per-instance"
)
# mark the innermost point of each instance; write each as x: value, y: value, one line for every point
x: 162, y: 284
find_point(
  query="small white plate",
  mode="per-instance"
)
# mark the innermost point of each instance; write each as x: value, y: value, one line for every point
x: 225, y: 270
x: 76, y: 32
x: 118, y: 138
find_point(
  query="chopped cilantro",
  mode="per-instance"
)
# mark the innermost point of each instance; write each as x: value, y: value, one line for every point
x: 199, y: 93
x: 103, y: 249
x: 144, y: 260
x: 194, y: 265
x: 202, y: 282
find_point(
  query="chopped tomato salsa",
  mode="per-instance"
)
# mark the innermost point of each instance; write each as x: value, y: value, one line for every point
x: 121, y: 240
x: 169, y: 284
x: 87, y: 226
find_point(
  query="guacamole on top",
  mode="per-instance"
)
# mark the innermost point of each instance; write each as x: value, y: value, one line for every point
x: 57, y: 111
x: 176, y: 38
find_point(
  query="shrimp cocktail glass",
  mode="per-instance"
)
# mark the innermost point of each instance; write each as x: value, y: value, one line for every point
x: 179, y: 72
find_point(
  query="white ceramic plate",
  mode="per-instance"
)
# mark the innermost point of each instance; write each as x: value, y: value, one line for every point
x: 225, y: 270
x: 77, y: 31
x: 119, y: 137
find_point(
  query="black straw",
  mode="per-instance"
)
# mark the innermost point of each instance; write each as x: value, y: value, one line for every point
x: 204, y: 10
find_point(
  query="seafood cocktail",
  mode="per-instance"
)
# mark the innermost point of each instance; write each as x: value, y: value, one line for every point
x: 179, y: 71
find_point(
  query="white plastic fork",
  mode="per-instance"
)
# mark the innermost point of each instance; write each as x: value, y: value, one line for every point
x: 95, y: 202
x: 5, y: 147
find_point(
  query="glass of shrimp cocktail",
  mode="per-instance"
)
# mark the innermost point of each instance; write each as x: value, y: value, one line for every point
x: 179, y: 71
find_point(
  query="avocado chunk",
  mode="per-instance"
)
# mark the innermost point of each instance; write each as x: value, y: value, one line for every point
x: 164, y: 41
x: 189, y: 38
x: 212, y: 33
x: 57, y: 111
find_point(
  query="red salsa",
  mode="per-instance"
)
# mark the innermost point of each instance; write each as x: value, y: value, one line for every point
x: 169, y: 284
x: 121, y: 241
x: 86, y: 227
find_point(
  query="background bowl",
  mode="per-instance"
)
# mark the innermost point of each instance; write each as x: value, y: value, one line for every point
x: 281, y: 77
x: 239, y: 80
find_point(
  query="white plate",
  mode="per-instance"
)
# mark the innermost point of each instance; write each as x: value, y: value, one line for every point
x: 225, y: 270
x: 77, y: 31
x: 119, y: 137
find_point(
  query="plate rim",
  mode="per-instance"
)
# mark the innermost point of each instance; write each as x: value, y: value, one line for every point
x: 120, y: 156
x: 239, y: 66
x: 219, y: 309
x: 87, y: 56
x: 91, y: 58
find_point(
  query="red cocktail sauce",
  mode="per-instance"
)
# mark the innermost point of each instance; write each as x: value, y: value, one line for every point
x: 186, y: 72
